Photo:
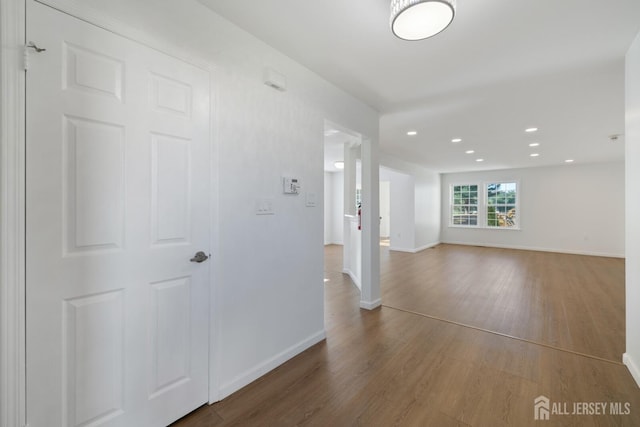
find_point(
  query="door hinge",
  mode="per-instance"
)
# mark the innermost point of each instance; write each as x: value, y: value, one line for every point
x: 25, y: 63
x: 31, y: 45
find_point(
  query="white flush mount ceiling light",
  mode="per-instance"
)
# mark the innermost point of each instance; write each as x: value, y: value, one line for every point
x: 412, y: 133
x: 339, y: 164
x: 420, y: 19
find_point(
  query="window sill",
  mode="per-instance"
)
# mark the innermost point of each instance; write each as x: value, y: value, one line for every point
x: 479, y: 227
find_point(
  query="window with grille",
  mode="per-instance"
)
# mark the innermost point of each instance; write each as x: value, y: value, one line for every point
x: 464, y: 205
x: 501, y: 204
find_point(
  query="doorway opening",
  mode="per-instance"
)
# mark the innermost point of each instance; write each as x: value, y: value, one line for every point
x: 342, y: 191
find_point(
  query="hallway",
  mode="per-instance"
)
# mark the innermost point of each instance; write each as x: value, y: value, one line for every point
x: 392, y: 367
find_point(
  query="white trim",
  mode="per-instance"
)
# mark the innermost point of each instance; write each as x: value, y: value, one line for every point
x: 12, y: 212
x: 427, y: 246
x: 353, y: 277
x: 215, y: 325
x: 94, y: 17
x: 414, y: 250
x: 12, y: 193
x: 538, y: 249
x: 268, y: 365
x: 632, y: 366
x: 483, y: 205
x: 371, y: 305
x: 398, y: 249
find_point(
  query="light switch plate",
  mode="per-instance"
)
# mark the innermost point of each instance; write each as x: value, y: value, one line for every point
x: 265, y: 207
x: 311, y: 200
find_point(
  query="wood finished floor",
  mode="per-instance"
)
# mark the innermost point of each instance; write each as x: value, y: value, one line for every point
x: 571, y: 302
x: 390, y: 367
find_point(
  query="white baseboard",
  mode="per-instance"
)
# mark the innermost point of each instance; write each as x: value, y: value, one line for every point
x: 632, y: 366
x: 415, y: 250
x: 537, y: 249
x: 428, y: 246
x: 370, y: 305
x: 268, y: 365
x: 353, y: 277
x: 398, y: 249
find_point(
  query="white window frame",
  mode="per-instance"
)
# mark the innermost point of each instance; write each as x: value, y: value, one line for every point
x: 485, y: 185
x: 483, y: 204
x: 479, y: 205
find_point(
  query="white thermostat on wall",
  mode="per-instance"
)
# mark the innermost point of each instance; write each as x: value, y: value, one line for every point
x: 291, y: 185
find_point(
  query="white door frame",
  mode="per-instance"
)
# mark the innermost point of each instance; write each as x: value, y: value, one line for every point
x: 12, y: 212
x: 13, y: 202
x: 370, y: 242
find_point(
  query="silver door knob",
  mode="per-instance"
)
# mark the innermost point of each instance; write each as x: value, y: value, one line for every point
x: 200, y: 257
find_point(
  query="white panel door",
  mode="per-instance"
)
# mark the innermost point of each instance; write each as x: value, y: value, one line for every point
x: 118, y: 178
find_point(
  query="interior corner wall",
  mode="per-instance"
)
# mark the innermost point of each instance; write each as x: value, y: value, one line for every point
x: 423, y: 221
x: 385, y: 208
x: 632, y: 143
x: 337, y: 213
x: 577, y: 208
x: 402, y: 211
x: 333, y: 208
x: 328, y: 208
x: 267, y: 296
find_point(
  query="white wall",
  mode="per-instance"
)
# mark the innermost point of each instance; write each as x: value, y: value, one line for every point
x: 419, y: 223
x: 568, y: 208
x: 268, y: 270
x: 402, y: 210
x: 353, y: 263
x: 334, y: 208
x: 385, y: 207
x: 632, y: 137
x: 328, y: 207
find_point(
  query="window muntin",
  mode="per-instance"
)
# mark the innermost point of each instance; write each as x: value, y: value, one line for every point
x: 464, y: 205
x: 501, y: 202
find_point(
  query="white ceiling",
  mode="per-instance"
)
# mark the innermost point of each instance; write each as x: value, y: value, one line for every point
x: 502, y: 66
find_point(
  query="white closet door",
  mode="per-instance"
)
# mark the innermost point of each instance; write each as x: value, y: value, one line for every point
x: 118, y: 203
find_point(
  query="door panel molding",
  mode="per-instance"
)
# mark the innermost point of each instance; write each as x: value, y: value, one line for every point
x: 13, y: 200
x: 88, y: 14
x: 96, y: 193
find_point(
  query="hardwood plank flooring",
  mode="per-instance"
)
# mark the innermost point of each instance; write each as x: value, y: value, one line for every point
x: 390, y: 367
x: 571, y: 302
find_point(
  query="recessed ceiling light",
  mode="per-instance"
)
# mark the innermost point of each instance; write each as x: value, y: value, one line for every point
x: 534, y: 144
x: 569, y: 161
x: 456, y: 140
x: 529, y: 130
x: 412, y: 133
x: 534, y: 155
x: 479, y: 160
x: 469, y: 152
x: 339, y: 164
